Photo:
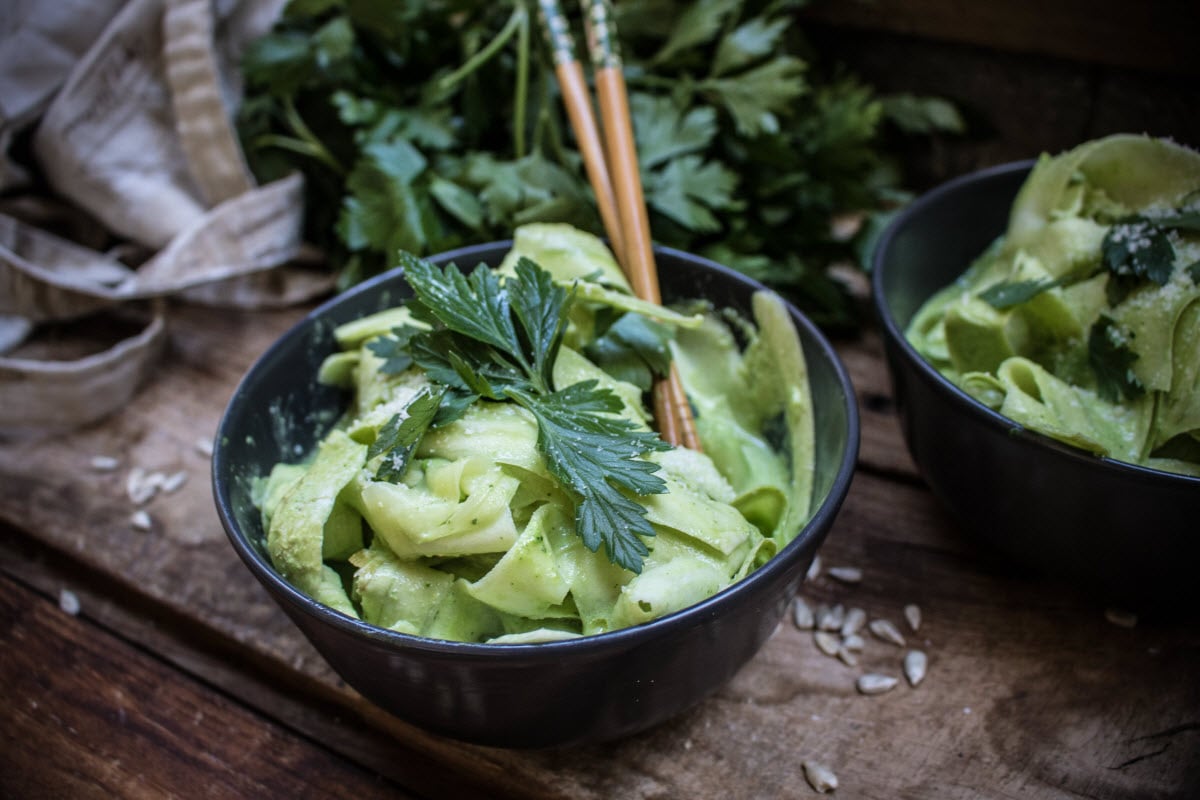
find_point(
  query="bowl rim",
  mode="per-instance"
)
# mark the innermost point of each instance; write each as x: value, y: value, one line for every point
x: 593, y: 645
x: 992, y: 419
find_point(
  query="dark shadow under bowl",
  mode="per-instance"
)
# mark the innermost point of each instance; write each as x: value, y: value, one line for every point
x: 585, y: 690
x: 1126, y: 532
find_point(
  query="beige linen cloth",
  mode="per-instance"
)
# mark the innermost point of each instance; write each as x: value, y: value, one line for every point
x: 130, y: 103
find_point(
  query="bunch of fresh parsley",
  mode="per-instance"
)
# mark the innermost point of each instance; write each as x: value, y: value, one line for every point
x: 422, y: 126
x: 499, y: 342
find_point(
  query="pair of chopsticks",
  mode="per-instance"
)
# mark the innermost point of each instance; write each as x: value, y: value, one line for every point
x: 612, y: 167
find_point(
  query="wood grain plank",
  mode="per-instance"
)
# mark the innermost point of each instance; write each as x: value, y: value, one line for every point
x: 1031, y: 692
x: 1154, y: 35
x: 89, y: 716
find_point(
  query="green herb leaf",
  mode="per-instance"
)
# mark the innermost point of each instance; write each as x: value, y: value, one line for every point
x: 394, y: 350
x: 633, y: 349
x: 1111, y: 358
x: 1007, y: 294
x: 596, y: 453
x: 688, y: 191
x: 472, y: 305
x: 748, y: 42
x: 1138, y: 247
x: 755, y: 98
x: 541, y: 306
x: 401, y: 434
x: 665, y: 131
x: 499, y: 341
x: 1193, y: 271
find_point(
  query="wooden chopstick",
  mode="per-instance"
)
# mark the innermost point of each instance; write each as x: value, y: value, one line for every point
x: 613, y: 172
x: 573, y: 87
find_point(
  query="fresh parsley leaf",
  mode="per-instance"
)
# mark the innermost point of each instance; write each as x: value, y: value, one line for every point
x: 1193, y: 271
x: 1111, y: 359
x: 698, y: 24
x: 595, y: 453
x: 748, y: 42
x: 633, y: 349
x: 400, y: 435
x: 499, y: 341
x: 758, y: 96
x: 922, y: 115
x: 1138, y: 247
x: 540, y: 305
x: 1007, y: 294
x: 472, y: 305
x: 688, y: 190
x: 394, y: 350
x: 664, y: 131
x: 1180, y: 220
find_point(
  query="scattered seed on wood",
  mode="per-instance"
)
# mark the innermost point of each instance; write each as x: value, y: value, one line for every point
x: 140, y: 486
x: 853, y: 642
x: 68, y: 601
x: 819, y: 777
x: 847, y: 656
x: 912, y: 613
x: 846, y: 574
x: 105, y: 463
x: 873, y: 683
x: 140, y: 520
x: 827, y: 643
x: 1117, y: 616
x: 803, y: 615
x: 854, y: 621
x: 887, y: 631
x: 915, y: 662
x: 172, y: 482
x: 833, y: 618
x: 814, y: 569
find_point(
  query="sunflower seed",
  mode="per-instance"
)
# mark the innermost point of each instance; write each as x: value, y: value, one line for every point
x: 140, y: 486
x: 803, y: 615
x: 912, y: 613
x: 886, y: 631
x: 172, y: 482
x: 68, y: 601
x: 832, y: 618
x: 814, y: 569
x: 819, y: 777
x: 854, y: 621
x: 853, y: 642
x: 914, y: 666
x: 873, y: 683
x: 827, y: 643
x: 847, y: 656
x: 846, y: 574
x: 105, y: 463
x: 1117, y: 616
x: 140, y: 520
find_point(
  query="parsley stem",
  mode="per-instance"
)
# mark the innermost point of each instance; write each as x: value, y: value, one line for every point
x: 483, y: 56
x: 522, y: 91
x: 306, y: 142
x: 299, y: 146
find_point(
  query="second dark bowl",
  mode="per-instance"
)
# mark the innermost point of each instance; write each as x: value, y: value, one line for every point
x: 1125, y: 532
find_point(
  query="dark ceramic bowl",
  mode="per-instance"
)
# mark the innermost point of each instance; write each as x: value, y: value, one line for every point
x: 1127, y: 533
x: 584, y: 690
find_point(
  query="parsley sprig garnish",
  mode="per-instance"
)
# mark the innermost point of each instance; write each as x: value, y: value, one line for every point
x: 498, y: 340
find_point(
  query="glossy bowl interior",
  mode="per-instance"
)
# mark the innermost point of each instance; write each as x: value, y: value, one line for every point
x: 584, y: 690
x: 1127, y: 533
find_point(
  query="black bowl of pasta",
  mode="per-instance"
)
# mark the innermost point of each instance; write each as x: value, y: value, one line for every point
x: 429, y: 495
x: 1042, y: 329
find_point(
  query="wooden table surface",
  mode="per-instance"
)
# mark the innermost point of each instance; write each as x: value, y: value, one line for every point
x: 149, y: 663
